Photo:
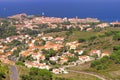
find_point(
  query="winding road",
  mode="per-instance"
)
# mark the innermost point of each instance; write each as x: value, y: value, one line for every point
x: 100, y: 77
x: 14, y: 73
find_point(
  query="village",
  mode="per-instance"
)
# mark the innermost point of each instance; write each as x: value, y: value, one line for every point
x: 48, y: 52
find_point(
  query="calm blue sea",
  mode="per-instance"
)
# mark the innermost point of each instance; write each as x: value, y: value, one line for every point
x: 105, y: 10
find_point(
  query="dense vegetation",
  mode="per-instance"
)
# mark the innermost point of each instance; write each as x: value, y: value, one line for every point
x: 40, y: 74
x: 7, y: 31
x: 4, y: 71
x: 37, y: 74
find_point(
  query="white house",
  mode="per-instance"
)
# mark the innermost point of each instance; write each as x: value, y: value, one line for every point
x: 93, y: 52
x: 80, y: 52
x: 84, y: 58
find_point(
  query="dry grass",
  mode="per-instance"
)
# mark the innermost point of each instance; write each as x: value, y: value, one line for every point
x: 76, y: 76
x: 112, y: 73
x: 22, y: 70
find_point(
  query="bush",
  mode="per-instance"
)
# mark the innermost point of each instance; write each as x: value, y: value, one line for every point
x: 80, y: 40
x: 20, y: 63
x: 92, y: 37
x: 106, y: 61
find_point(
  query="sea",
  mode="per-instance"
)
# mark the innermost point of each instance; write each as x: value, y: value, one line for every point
x: 105, y: 10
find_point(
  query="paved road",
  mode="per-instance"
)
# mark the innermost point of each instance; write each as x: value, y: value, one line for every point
x: 14, y: 73
x: 100, y: 77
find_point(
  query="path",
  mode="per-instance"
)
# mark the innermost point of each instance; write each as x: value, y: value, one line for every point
x: 100, y: 77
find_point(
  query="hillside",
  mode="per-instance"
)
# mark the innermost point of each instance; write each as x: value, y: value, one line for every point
x: 40, y: 49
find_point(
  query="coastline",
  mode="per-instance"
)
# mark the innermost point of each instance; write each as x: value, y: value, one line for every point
x: 109, y: 20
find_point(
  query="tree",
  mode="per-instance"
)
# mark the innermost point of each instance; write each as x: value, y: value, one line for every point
x: 80, y: 40
x: 92, y: 38
x: 4, y: 71
x: 99, y: 67
x: 49, y: 53
x: 59, y: 78
x: 116, y: 47
x: 38, y: 74
x: 116, y: 36
x: 43, y: 42
x: 72, y: 59
x: 95, y: 63
x: 6, y: 31
x: 20, y: 63
x: 16, y: 53
x: 95, y: 56
x: 36, y: 50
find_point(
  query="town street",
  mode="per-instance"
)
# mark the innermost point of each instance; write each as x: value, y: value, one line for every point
x: 14, y: 73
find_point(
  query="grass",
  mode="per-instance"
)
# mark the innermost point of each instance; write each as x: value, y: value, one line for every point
x: 79, y: 34
x: 76, y: 76
x: 60, y: 34
x: 112, y: 73
x: 6, y: 66
x: 22, y: 70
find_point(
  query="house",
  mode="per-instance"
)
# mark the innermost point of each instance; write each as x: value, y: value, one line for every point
x: 105, y: 54
x: 1, y: 46
x: 59, y: 40
x: 31, y: 44
x: 7, y: 61
x: 97, y: 52
x: 59, y: 71
x: 84, y: 58
x: 115, y: 23
x: 68, y: 26
x: 55, y: 58
x: 29, y: 64
x: 8, y: 39
x: 63, y: 70
x: 42, y: 57
x: 1, y: 23
x: 1, y: 50
x: 54, y: 26
x: 39, y: 35
x: 103, y: 25
x: 51, y: 45
x: 87, y: 20
x: 67, y: 54
x: 88, y: 29
x: 37, y: 65
x: 56, y: 71
x: 15, y: 48
x: 80, y: 52
x: 73, y: 45
x: 47, y: 38
x: 63, y: 59
x: 35, y: 56
x: 38, y: 56
x: 26, y: 53
x: 39, y: 20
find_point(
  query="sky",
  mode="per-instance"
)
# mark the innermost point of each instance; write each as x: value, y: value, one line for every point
x: 62, y: 1
x: 59, y: 0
